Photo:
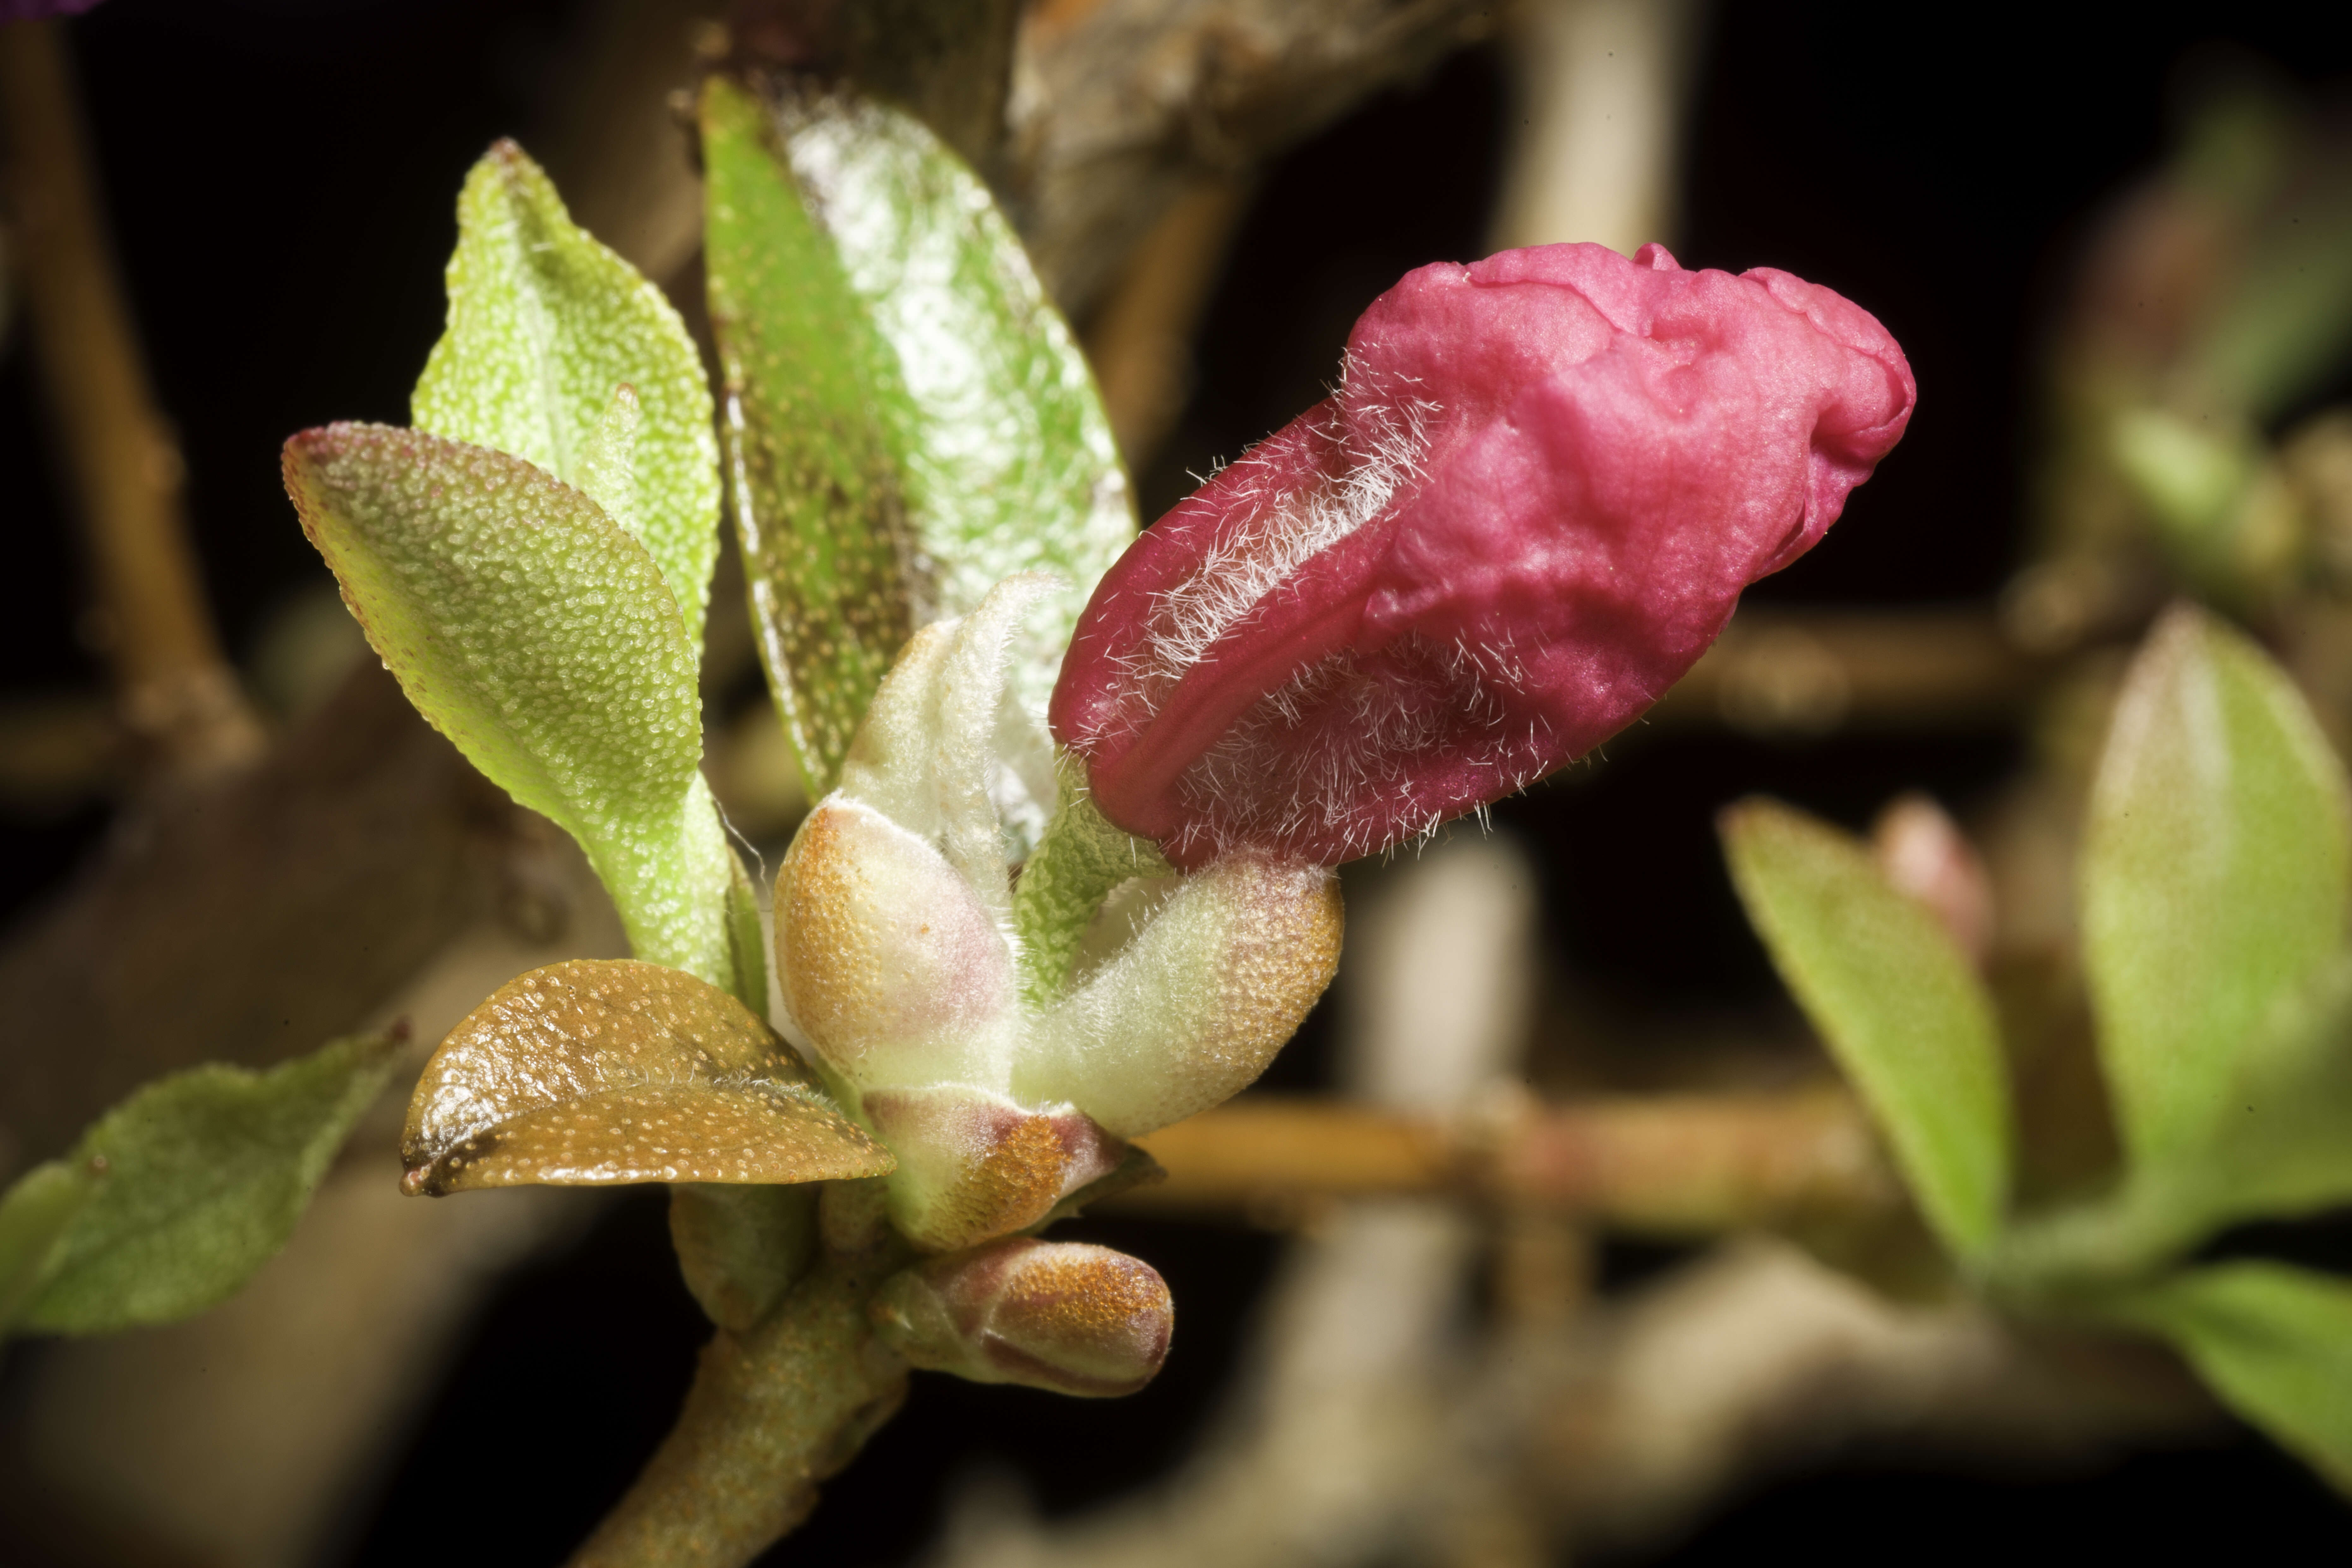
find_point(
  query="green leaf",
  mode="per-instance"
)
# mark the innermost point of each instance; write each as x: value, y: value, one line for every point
x: 546, y: 327
x: 2280, y: 330
x: 206, y: 1173
x: 2281, y: 1148
x: 598, y: 1072
x: 34, y: 1217
x: 2214, y: 881
x: 741, y: 1247
x: 1076, y: 864
x: 2274, y: 1341
x: 1011, y: 463
x: 1895, y: 1000
x: 860, y: 267
x: 540, y: 637
x: 817, y: 486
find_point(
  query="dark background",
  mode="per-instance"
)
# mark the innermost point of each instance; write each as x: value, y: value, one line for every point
x: 281, y: 179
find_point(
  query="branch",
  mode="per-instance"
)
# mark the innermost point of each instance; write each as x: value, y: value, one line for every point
x: 1120, y: 107
x: 772, y: 1411
x: 177, y: 693
x: 1664, y: 1165
x: 1797, y: 673
x: 251, y: 918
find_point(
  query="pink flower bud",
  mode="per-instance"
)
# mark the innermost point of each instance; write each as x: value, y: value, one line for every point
x: 1924, y: 854
x: 1058, y: 1315
x: 1531, y: 505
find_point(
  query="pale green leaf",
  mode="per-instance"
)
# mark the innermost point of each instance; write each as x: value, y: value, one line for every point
x: 598, y: 1072
x: 1895, y: 1000
x: 999, y: 456
x: 2214, y: 881
x: 33, y: 1216
x: 545, y: 326
x: 2274, y: 1341
x: 2281, y: 1147
x: 540, y: 637
x: 206, y: 1173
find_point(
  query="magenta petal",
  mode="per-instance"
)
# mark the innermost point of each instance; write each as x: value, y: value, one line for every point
x: 1530, y: 508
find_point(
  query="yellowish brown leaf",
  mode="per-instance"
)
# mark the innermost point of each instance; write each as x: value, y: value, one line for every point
x: 604, y: 1072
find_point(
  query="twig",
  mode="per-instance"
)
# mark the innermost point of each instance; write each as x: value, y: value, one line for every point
x: 251, y: 919
x: 1667, y: 1164
x: 1120, y: 107
x: 1797, y: 673
x: 177, y: 692
x: 1601, y: 98
x: 772, y: 1412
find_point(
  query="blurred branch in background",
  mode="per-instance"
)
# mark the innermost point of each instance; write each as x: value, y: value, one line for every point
x: 614, y: 141
x: 175, y: 692
x: 244, y: 1435
x: 1121, y: 106
x: 1656, y: 1164
x: 1381, y: 1418
x: 1600, y: 87
x: 1140, y: 340
x: 1804, y: 673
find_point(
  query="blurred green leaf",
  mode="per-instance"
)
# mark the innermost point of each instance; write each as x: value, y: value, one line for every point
x: 2214, y: 882
x: 545, y: 326
x: 984, y: 438
x: 1895, y: 1000
x: 2274, y: 1341
x: 205, y: 1175
x: 2283, y: 327
x: 35, y: 1214
x: 612, y: 1071
x: 540, y: 637
x: 2190, y: 476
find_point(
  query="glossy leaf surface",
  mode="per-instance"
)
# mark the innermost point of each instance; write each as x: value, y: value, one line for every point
x: 1896, y: 1003
x: 201, y: 1178
x: 816, y: 485
x: 1011, y: 463
x: 2276, y: 1342
x: 538, y: 635
x: 2214, y: 880
x: 615, y: 1071
x: 546, y: 326
x: 1000, y: 459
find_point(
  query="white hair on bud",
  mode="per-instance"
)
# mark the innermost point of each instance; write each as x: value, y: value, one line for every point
x: 1384, y: 440
x: 1305, y: 758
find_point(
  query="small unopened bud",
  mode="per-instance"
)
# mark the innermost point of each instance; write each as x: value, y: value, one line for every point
x: 1057, y: 1315
x: 974, y: 1165
x: 1924, y: 854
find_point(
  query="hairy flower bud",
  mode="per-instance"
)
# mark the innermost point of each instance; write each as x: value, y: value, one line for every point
x: 1531, y: 505
x: 1061, y: 1315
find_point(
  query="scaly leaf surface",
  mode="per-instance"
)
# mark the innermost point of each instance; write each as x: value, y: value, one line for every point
x: 1000, y: 459
x: 546, y: 326
x: 597, y: 1072
x: 817, y: 485
x: 538, y: 635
